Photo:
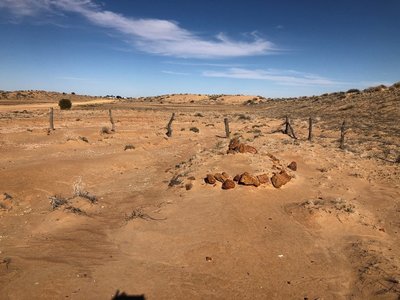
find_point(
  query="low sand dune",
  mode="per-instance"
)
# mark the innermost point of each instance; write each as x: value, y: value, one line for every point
x: 31, y: 106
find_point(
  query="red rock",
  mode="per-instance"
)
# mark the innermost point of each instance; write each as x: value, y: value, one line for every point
x: 248, y: 179
x: 273, y: 158
x: 241, y: 148
x: 234, y: 143
x: 228, y: 184
x: 263, y: 178
x: 280, y: 179
x: 236, y: 178
x: 292, y: 166
x: 219, y: 177
x: 225, y: 175
x: 210, y: 179
x: 250, y: 149
x: 236, y: 146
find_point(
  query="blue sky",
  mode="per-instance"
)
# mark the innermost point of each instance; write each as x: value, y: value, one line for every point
x: 142, y: 48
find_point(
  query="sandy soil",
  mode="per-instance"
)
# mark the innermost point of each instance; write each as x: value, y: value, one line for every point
x: 157, y: 229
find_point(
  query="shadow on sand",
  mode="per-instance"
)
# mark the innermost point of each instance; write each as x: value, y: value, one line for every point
x: 123, y: 295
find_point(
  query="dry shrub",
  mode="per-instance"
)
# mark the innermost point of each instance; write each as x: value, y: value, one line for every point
x: 105, y: 130
x: 79, y: 191
x: 57, y: 200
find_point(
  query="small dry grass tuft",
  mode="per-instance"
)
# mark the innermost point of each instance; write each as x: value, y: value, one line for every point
x: 105, y: 130
x: 75, y: 210
x: 57, y: 201
x: 79, y: 191
x: 129, y: 147
x: 139, y: 214
x: 175, y: 180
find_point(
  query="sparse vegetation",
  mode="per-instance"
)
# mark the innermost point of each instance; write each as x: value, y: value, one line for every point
x: 352, y: 91
x: 65, y: 104
x: 57, y: 200
x: 214, y: 97
x: 375, y: 89
x: 75, y: 210
x: 396, y: 85
x: 175, y: 180
x: 139, y: 214
x: 251, y: 101
x: 194, y: 129
x: 82, y: 138
x: 244, y: 117
x: 79, y: 191
x: 129, y: 147
x: 346, y: 107
x: 105, y: 130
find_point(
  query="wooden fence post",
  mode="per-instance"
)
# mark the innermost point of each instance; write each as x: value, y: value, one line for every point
x: 51, y: 118
x: 292, y: 131
x: 310, y: 129
x: 286, y: 131
x: 111, y: 120
x: 169, y: 128
x: 342, y: 134
x: 288, y: 128
x: 227, y: 131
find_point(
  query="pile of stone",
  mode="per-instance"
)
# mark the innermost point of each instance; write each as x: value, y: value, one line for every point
x: 277, y: 180
x: 229, y: 183
x: 235, y: 146
x: 280, y: 179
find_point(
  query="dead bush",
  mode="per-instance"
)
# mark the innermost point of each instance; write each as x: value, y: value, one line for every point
x: 57, y: 200
x: 105, y: 130
x: 79, y: 191
x: 129, y: 147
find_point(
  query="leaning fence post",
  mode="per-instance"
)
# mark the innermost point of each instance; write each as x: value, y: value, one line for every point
x: 227, y: 131
x: 342, y: 133
x: 111, y: 120
x: 292, y: 131
x: 286, y: 131
x: 51, y: 119
x: 310, y: 129
x: 169, y: 128
x: 289, y: 127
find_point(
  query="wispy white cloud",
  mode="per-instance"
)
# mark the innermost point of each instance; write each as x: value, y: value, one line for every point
x: 23, y: 8
x: 283, y: 77
x: 74, y: 78
x: 161, y: 37
x: 186, y: 63
x: 175, y: 73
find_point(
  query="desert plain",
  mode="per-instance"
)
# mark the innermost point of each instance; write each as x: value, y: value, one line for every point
x: 90, y: 213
